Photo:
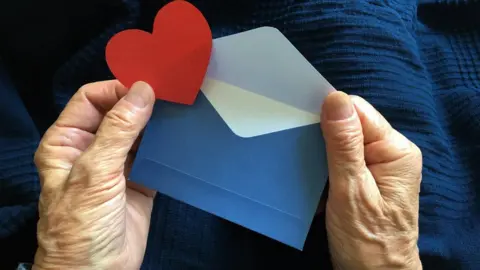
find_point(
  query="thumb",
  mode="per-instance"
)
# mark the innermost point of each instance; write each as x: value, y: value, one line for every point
x: 121, y: 126
x: 343, y: 135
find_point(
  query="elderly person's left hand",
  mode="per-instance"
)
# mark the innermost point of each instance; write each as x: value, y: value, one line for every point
x: 91, y: 216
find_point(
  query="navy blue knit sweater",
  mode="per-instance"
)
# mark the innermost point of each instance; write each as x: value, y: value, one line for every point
x: 418, y: 63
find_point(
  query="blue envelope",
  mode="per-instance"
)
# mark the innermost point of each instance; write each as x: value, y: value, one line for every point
x: 250, y: 148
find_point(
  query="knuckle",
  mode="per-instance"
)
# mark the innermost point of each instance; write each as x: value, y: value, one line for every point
x: 348, y: 137
x: 121, y: 119
x: 84, y: 165
x: 97, y: 86
x: 416, y: 158
x: 37, y: 158
x: 417, y: 153
x: 84, y: 88
x: 100, y: 86
x: 347, y: 146
x: 40, y: 157
x: 355, y: 97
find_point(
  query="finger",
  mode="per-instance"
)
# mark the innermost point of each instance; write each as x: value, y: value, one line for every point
x: 350, y: 180
x: 105, y: 158
x: 393, y: 160
x: 88, y: 106
x: 56, y: 154
x: 75, y: 125
x: 382, y: 143
x: 59, y: 147
x: 73, y: 131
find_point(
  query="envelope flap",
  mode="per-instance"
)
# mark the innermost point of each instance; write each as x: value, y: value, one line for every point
x: 249, y: 114
x: 265, y: 62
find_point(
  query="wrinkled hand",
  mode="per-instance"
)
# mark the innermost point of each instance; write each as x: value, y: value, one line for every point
x: 375, y: 174
x: 91, y: 217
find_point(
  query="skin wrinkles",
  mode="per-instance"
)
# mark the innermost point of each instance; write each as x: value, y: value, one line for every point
x: 93, y: 217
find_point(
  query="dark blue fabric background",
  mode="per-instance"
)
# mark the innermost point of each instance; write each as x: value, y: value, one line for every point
x: 418, y: 63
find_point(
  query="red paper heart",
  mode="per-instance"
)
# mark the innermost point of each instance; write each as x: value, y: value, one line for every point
x: 173, y: 59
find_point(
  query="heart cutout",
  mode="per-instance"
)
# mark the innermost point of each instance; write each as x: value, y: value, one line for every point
x: 173, y: 59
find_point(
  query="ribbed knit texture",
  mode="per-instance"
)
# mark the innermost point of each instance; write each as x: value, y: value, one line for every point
x: 417, y: 63
x: 19, y: 187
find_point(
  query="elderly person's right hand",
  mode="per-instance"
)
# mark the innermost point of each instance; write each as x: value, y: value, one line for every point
x: 375, y: 174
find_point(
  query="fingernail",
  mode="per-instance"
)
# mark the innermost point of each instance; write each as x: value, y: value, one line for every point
x: 140, y: 95
x: 338, y: 106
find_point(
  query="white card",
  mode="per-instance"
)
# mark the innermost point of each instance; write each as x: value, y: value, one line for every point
x: 259, y: 83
